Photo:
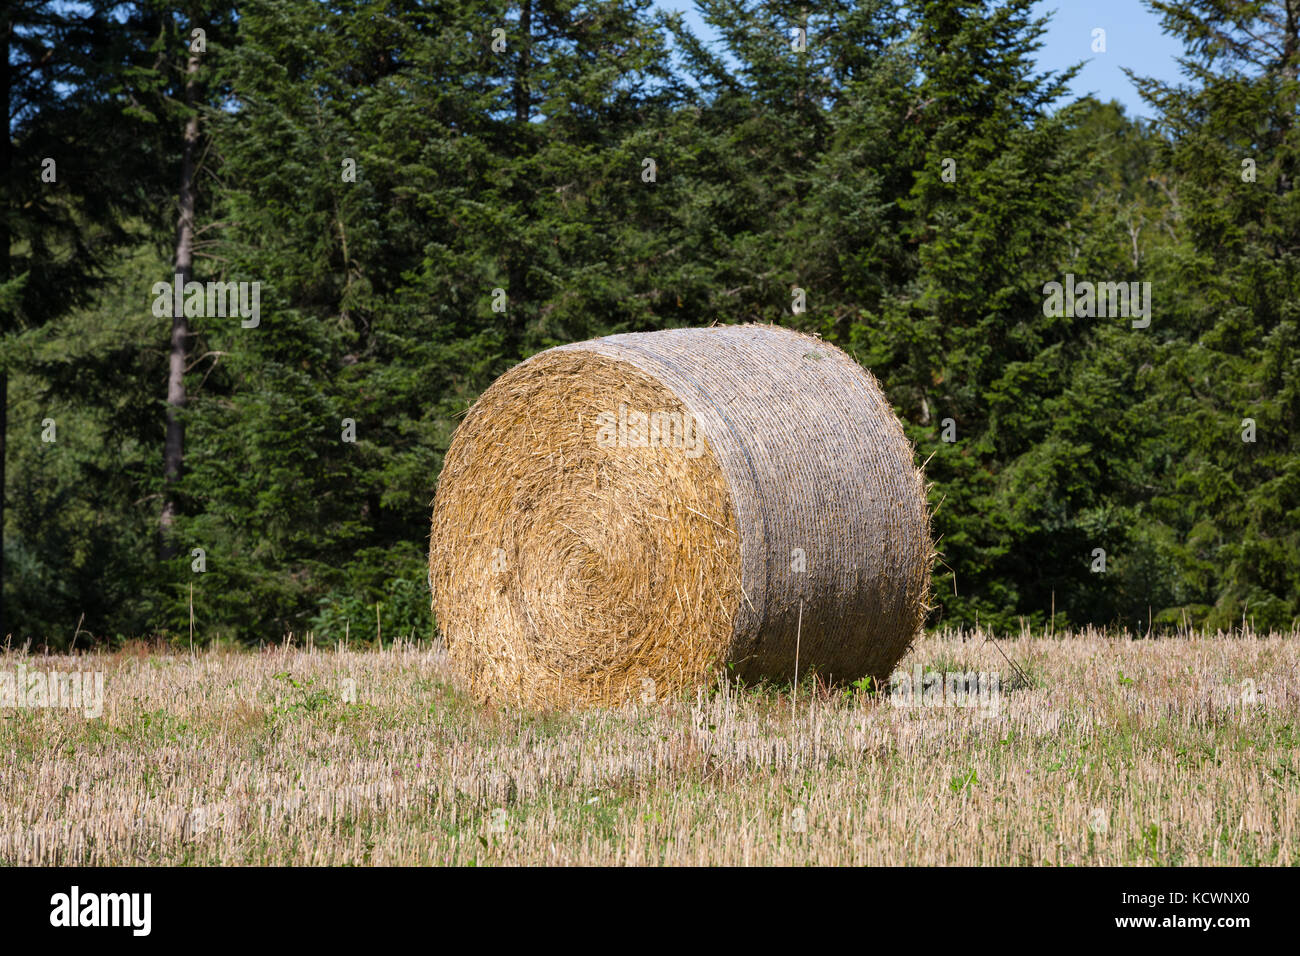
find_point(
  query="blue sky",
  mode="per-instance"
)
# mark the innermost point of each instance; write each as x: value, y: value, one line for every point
x: 1133, y: 39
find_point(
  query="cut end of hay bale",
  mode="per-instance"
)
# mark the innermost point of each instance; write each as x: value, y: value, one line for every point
x: 572, y: 565
x: 618, y: 518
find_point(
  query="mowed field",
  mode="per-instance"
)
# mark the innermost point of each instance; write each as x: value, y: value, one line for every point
x: 1106, y: 750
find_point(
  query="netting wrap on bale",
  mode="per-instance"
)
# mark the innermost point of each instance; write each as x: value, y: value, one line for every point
x: 621, y: 516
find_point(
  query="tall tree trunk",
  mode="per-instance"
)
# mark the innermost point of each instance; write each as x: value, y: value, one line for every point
x: 519, y: 89
x: 4, y: 420
x: 6, y: 159
x: 1291, y: 42
x: 1290, y: 70
x: 516, y: 258
x: 174, y: 449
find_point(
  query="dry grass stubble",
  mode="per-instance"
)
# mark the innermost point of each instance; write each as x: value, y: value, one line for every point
x: 1122, y: 752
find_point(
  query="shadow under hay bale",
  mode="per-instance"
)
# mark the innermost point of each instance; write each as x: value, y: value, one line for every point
x: 617, y: 518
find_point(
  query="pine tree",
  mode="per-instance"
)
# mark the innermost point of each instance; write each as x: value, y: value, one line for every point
x: 390, y: 179
x: 1232, y: 286
x: 64, y: 191
x: 942, y: 207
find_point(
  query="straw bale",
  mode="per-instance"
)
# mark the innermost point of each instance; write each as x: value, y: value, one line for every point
x: 766, y: 513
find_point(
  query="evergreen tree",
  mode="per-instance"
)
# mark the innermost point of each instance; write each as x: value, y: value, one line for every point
x: 65, y: 190
x: 392, y: 179
x: 1231, y: 289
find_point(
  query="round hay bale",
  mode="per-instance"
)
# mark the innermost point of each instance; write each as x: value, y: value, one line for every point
x: 617, y: 518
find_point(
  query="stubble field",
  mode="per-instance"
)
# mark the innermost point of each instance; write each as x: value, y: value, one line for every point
x: 1095, y: 749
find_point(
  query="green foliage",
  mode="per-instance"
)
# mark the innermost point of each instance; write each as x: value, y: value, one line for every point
x: 909, y: 170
